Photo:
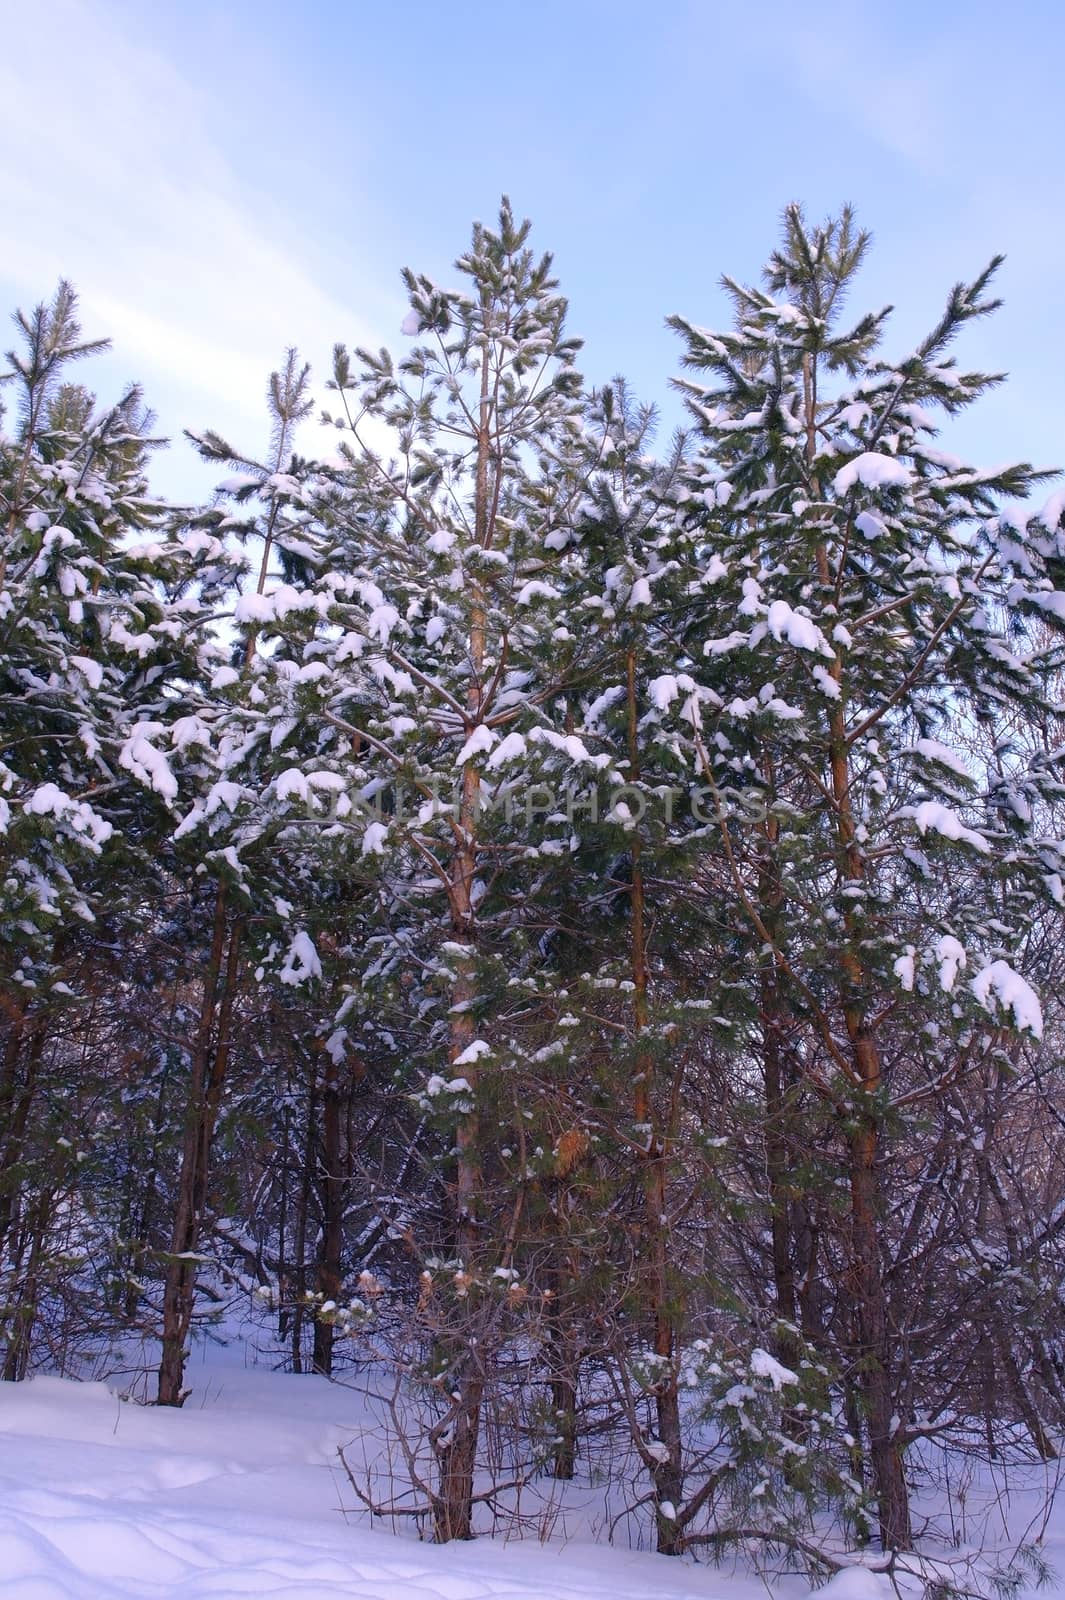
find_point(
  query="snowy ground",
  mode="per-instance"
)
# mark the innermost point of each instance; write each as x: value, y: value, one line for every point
x: 241, y: 1493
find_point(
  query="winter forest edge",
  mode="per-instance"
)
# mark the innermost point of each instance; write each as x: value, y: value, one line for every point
x: 560, y: 925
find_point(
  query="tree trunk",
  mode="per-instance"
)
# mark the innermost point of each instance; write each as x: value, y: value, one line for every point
x: 777, y: 1166
x: 456, y: 1455
x: 667, y: 1474
x: 867, y: 1280
x: 778, y: 1150
x: 19, y: 1345
x: 299, y: 1307
x: 142, y: 1230
x: 16, y: 1102
x: 209, y: 1061
x: 778, y: 1145
x: 282, y: 1223
x: 874, y: 1342
x: 456, y: 1448
x: 332, y: 1188
x: 565, y: 1362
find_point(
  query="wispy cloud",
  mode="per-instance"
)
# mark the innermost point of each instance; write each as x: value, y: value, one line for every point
x: 902, y: 100
x: 112, y: 179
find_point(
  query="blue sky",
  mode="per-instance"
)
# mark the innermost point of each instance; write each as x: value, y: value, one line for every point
x: 221, y: 180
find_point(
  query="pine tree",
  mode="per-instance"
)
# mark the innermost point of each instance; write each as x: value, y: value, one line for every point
x: 96, y: 651
x: 627, y: 589
x: 231, y: 843
x: 411, y: 657
x: 869, y: 596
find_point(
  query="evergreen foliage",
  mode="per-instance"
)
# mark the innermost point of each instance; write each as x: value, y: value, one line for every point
x: 571, y: 923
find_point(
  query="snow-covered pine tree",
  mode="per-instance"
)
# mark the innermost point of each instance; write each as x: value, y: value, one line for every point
x: 485, y: 414
x: 230, y: 841
x: 415, y: 663
x: 870, y: 597
x: 664, y: 995
x: 95, y: 651
x: 627, y: 589
x: 73, y: 486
